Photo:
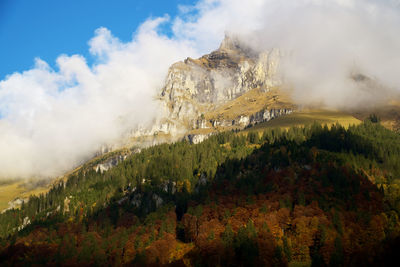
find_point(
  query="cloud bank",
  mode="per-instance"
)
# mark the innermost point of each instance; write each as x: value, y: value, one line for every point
x: 53, y: 119
x: 326, y: 43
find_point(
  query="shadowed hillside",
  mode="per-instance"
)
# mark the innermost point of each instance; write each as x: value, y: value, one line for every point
x: 304, y: 196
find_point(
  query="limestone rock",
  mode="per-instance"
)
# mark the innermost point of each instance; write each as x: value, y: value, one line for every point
x: 195, y: 85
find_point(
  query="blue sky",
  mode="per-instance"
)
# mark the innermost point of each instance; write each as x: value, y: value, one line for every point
x: 48, y: 28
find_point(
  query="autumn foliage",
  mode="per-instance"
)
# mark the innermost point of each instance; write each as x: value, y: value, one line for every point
x: 284, y: 198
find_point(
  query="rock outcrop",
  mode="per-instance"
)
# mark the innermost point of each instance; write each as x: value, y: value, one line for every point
x: 197, y: 138
x: 240, y: 122
x: 195, y: 86
x: 245, y: 121
x: 105, y: 166
x: 267, y: 115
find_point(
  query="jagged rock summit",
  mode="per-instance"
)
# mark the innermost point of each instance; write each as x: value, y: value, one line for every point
x: 194, y: 87
x: 232, y: 87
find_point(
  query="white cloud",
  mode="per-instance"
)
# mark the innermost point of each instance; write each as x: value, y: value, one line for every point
x: 326, y: 41
x: 53, y: 119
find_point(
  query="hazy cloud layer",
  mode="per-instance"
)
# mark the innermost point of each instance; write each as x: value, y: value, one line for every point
x: 52, y: 120
x: 325, y: 42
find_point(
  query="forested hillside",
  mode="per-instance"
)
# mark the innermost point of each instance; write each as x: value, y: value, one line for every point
x: 306, y: 196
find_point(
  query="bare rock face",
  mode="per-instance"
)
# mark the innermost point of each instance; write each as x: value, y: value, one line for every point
x: 105, y: 166
x: 196, y: 88
x: 196, y: 85
x: 197, y: 138
x: 267, y: 115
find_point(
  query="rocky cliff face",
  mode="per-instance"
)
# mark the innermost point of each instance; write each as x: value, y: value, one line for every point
x: 195, y: 86
x: 230, y: 88
x: 248, y: 120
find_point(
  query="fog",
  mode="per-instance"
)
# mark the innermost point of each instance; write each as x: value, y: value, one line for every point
x: 53, y: 119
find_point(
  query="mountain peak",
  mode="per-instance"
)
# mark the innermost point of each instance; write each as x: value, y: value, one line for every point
x: 230, y: 42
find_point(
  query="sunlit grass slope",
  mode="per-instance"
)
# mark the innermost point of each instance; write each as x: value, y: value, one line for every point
x: 251, y: 102
x: 11, y: 190
x: 307, y: 117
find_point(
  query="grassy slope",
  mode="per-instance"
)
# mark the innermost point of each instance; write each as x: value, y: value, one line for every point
x: 308, y: 117
x: 18, y: 189
x: 249, y: 103
x: 389, y: 115
x: 9, y: 192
